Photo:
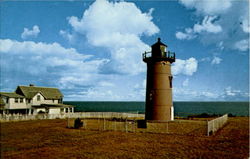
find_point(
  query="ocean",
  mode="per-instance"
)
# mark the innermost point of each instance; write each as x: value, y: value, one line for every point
x: 181, y: 109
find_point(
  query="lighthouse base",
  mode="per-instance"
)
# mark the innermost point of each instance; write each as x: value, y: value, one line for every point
x: 159, y: 113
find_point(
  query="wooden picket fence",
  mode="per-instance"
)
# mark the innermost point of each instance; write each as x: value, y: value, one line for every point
x: 215, y: 124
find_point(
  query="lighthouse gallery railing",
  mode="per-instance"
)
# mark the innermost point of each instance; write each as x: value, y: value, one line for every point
x: 165, y: 55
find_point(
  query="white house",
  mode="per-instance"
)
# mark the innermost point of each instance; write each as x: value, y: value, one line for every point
x: 34, y: 100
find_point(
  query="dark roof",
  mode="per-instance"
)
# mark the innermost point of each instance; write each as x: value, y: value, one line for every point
x: 11, y: 95
x: 31, y: 91
x: 158, y: 43
x: 52, y: 105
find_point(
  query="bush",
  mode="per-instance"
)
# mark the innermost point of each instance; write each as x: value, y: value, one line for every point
x: 204, y: 115
x: 78, y: 123
x: 231, y: 115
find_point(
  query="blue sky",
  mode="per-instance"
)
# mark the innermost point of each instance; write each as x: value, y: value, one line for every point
x: 91, y: 50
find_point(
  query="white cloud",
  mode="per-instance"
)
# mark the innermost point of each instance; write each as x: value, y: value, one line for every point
x: 188, y: 35
x: 220, y: 45
x: 139, y: 90
x: 207, y: 26
x: 205, y: 59
x: 66, y: 35
x: 216, y: 60
x: 144, y: 84
x: 56, y: 65
x: 245, y: 25
x: 186, y: 67
x: 76, y: 74
x: 81, y: 76
x: 30, y: 33
x: 234, y: 94
x: 230, y: 25
x: 119, y: 31
x: 105, y: 84
x: 185, y: 82
x: 190, y: 94
x: 208, y: 7
x: 242, y: 45
x: 185, y: 94
x: 230, y: 92
x: 96, y: 94
x: 213, y: 60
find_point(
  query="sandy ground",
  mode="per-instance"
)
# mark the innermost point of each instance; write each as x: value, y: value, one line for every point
x: 51, y: 139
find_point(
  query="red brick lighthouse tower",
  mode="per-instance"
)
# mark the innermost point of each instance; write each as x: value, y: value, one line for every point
x: 159, y: 104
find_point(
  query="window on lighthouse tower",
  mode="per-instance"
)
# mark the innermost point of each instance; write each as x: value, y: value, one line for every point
x: 170, y: 81
x: 163, y: 50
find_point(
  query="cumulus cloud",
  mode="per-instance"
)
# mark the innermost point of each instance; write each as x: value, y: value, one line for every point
x: 242, y: 45
x: 117, y: 26
x: 139, y: 90
x: 76, y: 74
x: 246, y: 25
x: 190, y: 94
x: 230, y: 92
x: 188, y: 35
x: 208, y: 7
x: 30, y: 33
x: 111, y: 87
x: 227, y: 94
x: 185, y: 82
x: 234, y: 94
x: 208, y: 26
x: 50, y: 62
x: 100, y: 94
x: 186, y: 67
x: 213, y: 60
x: 66, y: 35
x: 216, y: 60
x: 224, y: 22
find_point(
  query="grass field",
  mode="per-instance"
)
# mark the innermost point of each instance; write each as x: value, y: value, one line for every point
x: 51, y: 139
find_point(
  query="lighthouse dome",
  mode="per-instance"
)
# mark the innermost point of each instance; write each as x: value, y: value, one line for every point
x: 159, y: 43
x: 158, y: 49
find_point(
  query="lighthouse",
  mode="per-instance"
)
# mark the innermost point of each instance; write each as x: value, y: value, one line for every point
x: 159, y: 103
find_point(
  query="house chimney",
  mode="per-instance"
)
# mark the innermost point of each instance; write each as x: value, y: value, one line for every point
x: 32, y: 85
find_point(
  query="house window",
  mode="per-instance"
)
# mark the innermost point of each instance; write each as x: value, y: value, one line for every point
x: 66, y: 110
x: 38, y: 97
x: 21, y: 100
x: 60, y: 100
x: 16, y: 100
x: 53, y: 100
x: 7, y: 100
